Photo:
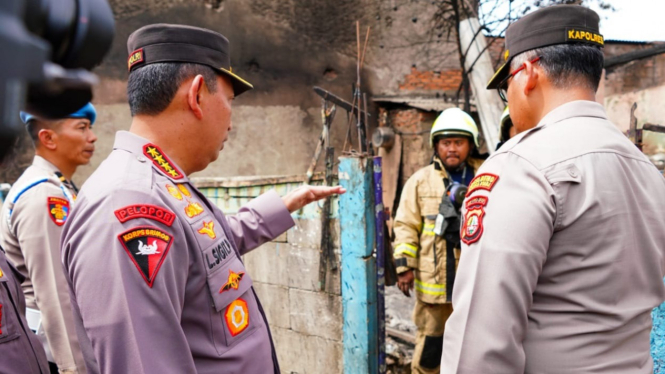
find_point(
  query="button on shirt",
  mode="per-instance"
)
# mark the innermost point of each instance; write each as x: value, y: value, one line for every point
x: 562, y: 260
x: 156, y: 274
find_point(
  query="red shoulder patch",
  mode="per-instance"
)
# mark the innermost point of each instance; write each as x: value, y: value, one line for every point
x: 482, y: 182
x: 58, y: 209
x: 472, y: 227
x: 147, y: 248
x: 153, y: 212
x: 160, y: 160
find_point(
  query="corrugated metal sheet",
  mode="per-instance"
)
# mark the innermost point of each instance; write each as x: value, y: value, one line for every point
x: 230, y: 194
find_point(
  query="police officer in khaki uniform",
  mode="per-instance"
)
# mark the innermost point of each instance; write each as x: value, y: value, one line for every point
x: 423, y: 258
x: 155, y: 268
x: 564, y: 226
x: 31, y: 221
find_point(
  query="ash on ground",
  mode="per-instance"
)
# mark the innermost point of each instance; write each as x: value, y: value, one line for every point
x: 401, y: 331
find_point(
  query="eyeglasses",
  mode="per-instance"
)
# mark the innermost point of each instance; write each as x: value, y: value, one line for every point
x: 503, y: 85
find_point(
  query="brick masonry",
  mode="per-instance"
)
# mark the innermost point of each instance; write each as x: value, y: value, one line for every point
x: 306, y: 323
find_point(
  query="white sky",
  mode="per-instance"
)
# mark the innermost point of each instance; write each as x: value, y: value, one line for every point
x: 635, y: 20
x: 640, y: 20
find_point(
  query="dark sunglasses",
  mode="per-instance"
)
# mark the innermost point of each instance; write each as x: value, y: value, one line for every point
x: 503, y: 85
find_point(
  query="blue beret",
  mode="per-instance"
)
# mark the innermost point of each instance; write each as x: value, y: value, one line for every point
x: 88, y: 111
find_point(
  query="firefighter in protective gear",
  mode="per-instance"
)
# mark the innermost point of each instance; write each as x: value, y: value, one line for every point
x: 507, y: 130
x: 424, y: 260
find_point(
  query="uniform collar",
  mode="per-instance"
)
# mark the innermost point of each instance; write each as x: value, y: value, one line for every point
x: 144, y: 149
x: 44, y: 164
x: 579, y: 108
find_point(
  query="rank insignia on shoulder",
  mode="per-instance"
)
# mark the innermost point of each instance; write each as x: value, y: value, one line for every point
x: 153, y: 212
x: 58, y: 209
x: 482, y: 182
x: 233, y: 282
x: 147, y: 248
x: 472, y: 227
x: 208, y: 229
x: 174, y: 192
x: 193, y: 209
x: 162, y: 162
x: 237, y: 316
x: 184, y: 190
x: 1, y: 273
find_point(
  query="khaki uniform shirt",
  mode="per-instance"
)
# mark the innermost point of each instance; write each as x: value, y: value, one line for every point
x: 30, y: 228
x: 562, y: 261
x: 415, y: 239
x: 156, y: 274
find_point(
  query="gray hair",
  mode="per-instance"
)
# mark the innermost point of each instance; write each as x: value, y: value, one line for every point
x: 567, y: 65
x: 151, y: 88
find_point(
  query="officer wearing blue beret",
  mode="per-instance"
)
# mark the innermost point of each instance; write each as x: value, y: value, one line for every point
x: 36, y: 208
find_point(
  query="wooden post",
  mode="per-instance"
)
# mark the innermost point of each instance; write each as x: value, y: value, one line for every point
x: 489, y: 104
x: 356, y: 210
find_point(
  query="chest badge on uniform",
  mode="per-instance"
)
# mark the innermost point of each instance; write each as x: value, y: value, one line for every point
x: 472, y: 227
x: 193, y: 209
x: 208, y: 229
x: 174, y: 192
x: 160, y: 160
x: 482, y: 182
x: 147, y: 247
x: 237, y: 317
x: 233, y: 282
x: 184, y: 190
x: 58, y: 209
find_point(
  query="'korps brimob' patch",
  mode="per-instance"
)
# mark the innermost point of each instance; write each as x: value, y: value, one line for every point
x: 482, y: 182
x: 147, y: 247
x: 58, y: 209
x: 472, y: 227
x: 161, y: 161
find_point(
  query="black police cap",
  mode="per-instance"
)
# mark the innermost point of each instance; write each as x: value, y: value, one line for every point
x: 186, y: 44
x: 559, y: 24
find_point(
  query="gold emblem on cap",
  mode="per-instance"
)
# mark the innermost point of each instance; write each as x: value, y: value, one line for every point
x: 506, y: 54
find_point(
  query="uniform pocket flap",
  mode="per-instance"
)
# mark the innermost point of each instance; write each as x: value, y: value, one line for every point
x: 564, y: 173
x: 228, y: 283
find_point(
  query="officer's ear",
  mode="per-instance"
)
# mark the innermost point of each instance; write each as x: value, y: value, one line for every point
x: 47, y: 138
x: 194, y: 96
x: 530, y: 77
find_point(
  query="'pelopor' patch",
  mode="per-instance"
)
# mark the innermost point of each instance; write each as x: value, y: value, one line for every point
x: 482, y: 182
x: 237, y: 317
x: 58, y: 209
x: 153, y: 212
x: 147, y: 248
